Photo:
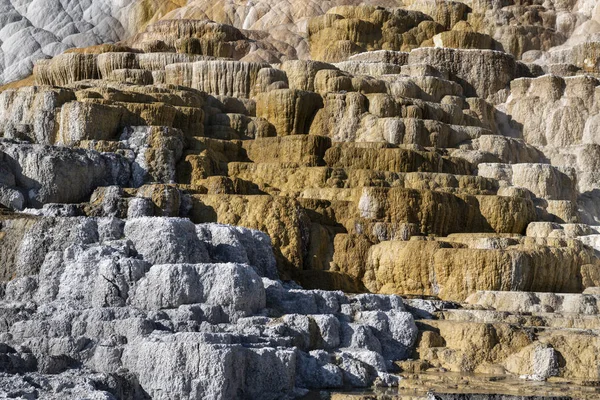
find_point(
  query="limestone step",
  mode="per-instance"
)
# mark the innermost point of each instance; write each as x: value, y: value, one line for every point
x: 303, y: 149
x: 288, y: 177
x: 532, y: 302
x: 347, y: 155
x: 460, y: 386
x: 439, y: 211
x: 451, y: 386
x: 509, y: 349
x: 537, y: 320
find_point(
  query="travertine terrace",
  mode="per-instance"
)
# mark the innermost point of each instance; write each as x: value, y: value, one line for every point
x: 293, y: 200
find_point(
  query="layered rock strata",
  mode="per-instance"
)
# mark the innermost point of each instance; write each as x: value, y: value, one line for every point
x: 192, y: 311
x: 229, y: 202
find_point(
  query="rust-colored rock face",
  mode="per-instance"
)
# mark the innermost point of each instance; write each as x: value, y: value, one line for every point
x: 271, y: 199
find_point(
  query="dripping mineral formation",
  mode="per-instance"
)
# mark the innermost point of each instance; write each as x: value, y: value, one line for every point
x: 293, y: 200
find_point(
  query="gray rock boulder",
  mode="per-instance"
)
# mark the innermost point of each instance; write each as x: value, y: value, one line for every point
x: 234, y: 287
x: 47, y: 174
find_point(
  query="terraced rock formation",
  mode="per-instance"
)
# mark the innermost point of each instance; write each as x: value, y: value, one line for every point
x: 273, y: 199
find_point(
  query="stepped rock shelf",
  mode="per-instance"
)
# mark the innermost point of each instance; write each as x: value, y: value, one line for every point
x: 389, y: 199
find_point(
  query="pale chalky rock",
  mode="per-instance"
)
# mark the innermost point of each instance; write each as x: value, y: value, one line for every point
x: 543, y: 180
x: 235, y: 287
x: 235, y: 244
x: 220, y: 308
x: 210, y: 370
x: 46, y: 174
x: 30, y: 113
x: 166, y: 240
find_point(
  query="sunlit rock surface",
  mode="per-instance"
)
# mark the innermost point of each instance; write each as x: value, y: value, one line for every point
x: 270, y: 200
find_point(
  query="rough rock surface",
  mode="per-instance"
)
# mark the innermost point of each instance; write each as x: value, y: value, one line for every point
x: 226, y: 199
x: 191, y: 311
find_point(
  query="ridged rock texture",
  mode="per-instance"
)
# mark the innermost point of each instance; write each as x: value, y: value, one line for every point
x: 276, y: 200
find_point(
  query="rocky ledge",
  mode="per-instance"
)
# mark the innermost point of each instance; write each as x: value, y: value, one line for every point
x: 270, y: 200
x: 162, y: 308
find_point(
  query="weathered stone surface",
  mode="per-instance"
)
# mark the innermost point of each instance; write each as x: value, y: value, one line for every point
x: 435, y: 149
x: 221, y: 78
x: 213, y: 311
x: 81, y: 121
x: 432, y: 211
x: 240, y: 294
x: 290, y: 111
x: 346, y: 30
x: 241, y: 245
x: 46, y: 175
x: 66, y: 68
x: 29, y: 113
x: 493, y: 72
x: 543, y: 180
x: 281, y: 218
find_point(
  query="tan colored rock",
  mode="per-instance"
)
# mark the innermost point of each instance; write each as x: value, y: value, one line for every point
x: 464, y: 40
x: 302, y: 149
x: 446, y: 13
x: 547, y: 269
x: 453, y: 271
x: 280, y: 218
x: 231, y: 126
x: 468, y: 346
x: 280, y: 178
x: 432, y: 89
x: 435, y: 212
x: 201, y: 36
x: 502, y: 348
x: 351, y: 255
x: 109, y: 62
x: 482, y: 73
x: 348, y: 30
x: 30, y: 112
x: 166, y: 199
x: 341, y: 116
x: 88, y: 121
x: 578, y: 351
x: 562, y: 211
x: 66, y: 68
x: 226, y: 78
x: 382, y: 158
x: 294, y: 178
x: 13, y: 231
x: 301, y: 74
x: 290, y: 111
x: 271, y: 79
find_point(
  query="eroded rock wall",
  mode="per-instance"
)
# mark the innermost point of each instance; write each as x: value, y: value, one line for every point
x: 430, y: 149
